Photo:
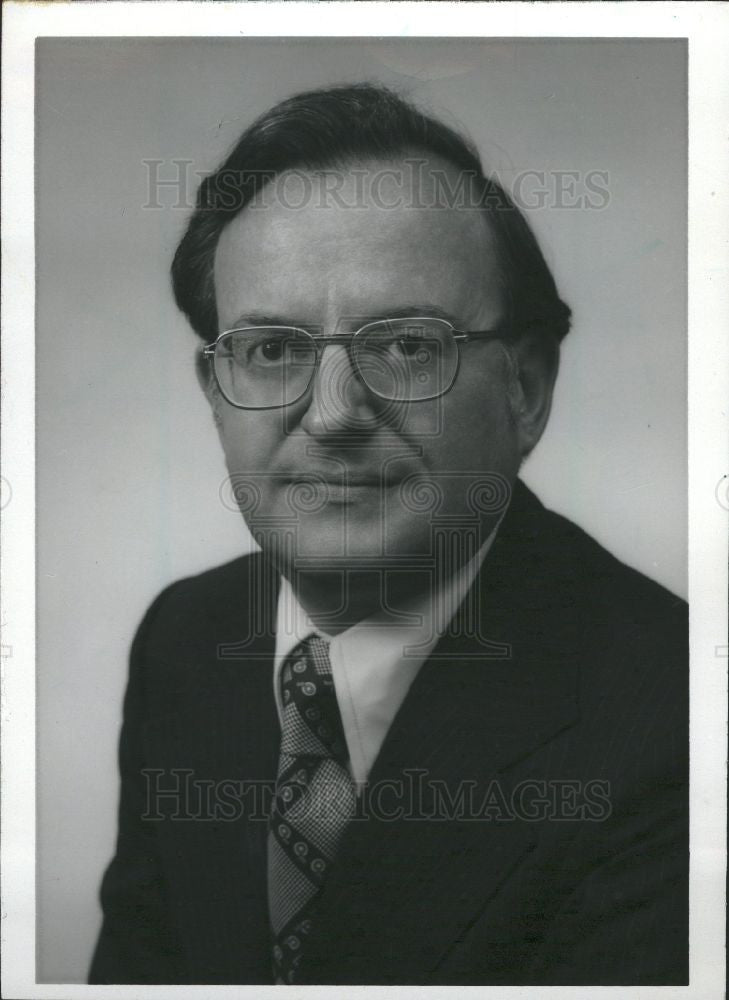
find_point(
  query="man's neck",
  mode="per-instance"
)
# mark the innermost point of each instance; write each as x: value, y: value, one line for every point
x: 337, y: 599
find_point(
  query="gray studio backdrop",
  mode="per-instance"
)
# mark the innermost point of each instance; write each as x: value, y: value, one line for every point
x: 129, y: 467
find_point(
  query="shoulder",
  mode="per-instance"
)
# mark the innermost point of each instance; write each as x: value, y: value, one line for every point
x: 196, y: 634
x: 217, y: 602
x: 619, y: 589
x: 627, y: 633
x: 611, y: 590
x: 632, y: 635
x: 219, y: 586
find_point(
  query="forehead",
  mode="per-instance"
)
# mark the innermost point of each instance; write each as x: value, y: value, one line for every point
x: 354, y: 240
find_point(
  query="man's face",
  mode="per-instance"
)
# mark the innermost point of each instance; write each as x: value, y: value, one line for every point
x: 375, y: 479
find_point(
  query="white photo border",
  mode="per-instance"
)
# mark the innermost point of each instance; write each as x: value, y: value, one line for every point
x: 706, y: 27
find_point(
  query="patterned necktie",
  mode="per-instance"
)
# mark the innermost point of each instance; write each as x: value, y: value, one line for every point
x: 314, y: 801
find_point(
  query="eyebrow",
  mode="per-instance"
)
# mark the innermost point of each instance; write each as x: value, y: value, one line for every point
x: 264, y: 319
x: 397, y: 312
x: 421, y: 309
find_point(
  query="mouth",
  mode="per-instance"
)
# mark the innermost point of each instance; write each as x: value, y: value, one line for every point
x: 345, y: 478
x: 347, y: 488
x: 346, y: 493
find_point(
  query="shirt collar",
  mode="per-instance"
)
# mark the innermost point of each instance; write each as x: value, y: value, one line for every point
x: 374, y: 661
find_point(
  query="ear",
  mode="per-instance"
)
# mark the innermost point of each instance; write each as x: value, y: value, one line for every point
x: 206, y: 381
x: 535, y: 361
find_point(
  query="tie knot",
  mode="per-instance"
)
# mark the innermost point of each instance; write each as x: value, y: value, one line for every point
x: 307, y: 663
x: 312, y: 723
x: 316, y: 651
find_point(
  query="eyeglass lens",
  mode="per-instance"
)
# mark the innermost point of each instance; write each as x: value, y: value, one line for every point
x: 398, y: 360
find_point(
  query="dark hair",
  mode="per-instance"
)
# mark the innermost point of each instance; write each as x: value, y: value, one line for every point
x: 340, y: 126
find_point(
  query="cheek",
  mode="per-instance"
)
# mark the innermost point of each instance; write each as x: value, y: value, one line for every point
x: 249, y: 438
x: 474, y: 461
x: 475, y: 430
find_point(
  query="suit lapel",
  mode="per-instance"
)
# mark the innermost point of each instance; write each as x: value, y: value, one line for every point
x: 403, y: 889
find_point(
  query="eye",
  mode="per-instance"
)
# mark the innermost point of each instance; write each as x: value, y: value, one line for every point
x: 266, y: 350
x: 270, y: 350
x: 397, y: 345
x: 410, y: 345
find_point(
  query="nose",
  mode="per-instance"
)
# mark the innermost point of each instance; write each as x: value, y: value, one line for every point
x: 339, y: 402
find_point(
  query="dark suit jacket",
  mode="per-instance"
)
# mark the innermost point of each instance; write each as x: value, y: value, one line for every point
x: 565, y: 728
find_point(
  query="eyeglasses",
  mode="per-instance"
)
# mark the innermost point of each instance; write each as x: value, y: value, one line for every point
x: 399, y: 360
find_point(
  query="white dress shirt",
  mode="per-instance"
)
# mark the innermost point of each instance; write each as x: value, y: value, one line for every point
x: 373, y: 663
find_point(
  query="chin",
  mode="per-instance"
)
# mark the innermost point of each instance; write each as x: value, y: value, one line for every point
x: 333, y: 540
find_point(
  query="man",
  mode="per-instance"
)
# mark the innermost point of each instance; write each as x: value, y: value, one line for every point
x: 470, y: 720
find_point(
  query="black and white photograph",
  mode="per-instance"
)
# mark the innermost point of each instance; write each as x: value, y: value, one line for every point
x: 371, y: 600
